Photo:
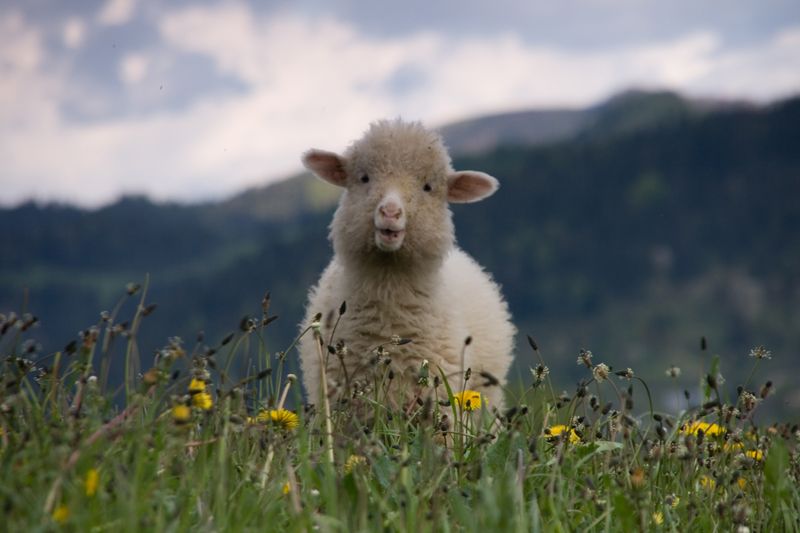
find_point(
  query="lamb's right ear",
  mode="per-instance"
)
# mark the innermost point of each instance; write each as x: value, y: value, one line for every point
x: 327, y: 165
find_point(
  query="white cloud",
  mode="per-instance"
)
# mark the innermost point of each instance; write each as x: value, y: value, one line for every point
x: 318, y: 83
x: 116, y: 12
x: 73, y: 32
x: 133, y: 68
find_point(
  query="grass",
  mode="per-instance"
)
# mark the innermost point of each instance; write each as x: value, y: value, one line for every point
x: 181, y: 445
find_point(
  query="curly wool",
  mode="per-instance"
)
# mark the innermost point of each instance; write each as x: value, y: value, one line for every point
x: 428, y: 290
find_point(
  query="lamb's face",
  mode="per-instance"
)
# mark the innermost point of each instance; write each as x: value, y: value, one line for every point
x: 398, y: 182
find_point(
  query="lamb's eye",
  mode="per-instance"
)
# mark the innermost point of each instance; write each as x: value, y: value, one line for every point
x: 364, y: 179
x: 427, y: 187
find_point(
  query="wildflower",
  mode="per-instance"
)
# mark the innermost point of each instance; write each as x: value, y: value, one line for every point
x: 638, y: 477
x: 91, y: 482
x: 61, y: 514
x: 627, y: 373
x: 658, y: 518
x: 553, y: 433
x: 181, y: 414
x: 197, y: 385
x: 469, y: 400
x: 741, y: 483
x: 540, y: 372
x: 585, y: 358
x: 600, y: 372
x: 672, y: 500
x: 756, y: 455
x: 673, y: 371
x: 203, y: 401
x: 286, y: 488
x: 708, y: 428
x: 707, y: 482
x: 353, y: 462
x: 424, y: 374
x: 282, y: 418
x: 759, y: 352
x: 749, y: 401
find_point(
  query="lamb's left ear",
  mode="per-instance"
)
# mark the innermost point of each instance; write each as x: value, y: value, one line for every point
x: 469, y: 186
x: 327, y: 165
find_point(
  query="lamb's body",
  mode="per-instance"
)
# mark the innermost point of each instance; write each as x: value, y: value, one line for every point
x: 437, y: 313
x: 396, y: 265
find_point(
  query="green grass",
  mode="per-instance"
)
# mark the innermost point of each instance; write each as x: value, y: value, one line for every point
x: 76, y: 455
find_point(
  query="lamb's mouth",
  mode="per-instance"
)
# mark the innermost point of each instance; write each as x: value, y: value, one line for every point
x: 388, y: 239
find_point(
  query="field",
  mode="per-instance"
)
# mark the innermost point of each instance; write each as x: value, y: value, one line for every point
x: 183, y: 445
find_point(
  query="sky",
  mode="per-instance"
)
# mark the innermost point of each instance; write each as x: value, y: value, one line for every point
x: 191, y: 101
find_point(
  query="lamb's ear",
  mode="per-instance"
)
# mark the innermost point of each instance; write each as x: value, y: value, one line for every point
x: 327, y: 165
x: 469, y: 186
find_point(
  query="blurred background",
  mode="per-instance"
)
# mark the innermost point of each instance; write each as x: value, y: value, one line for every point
x: 648, y: 154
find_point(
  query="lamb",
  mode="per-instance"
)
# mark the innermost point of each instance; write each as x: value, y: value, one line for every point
x: 397, y: 267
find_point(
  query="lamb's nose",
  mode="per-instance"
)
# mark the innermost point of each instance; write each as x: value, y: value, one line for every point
x: 391, y: 210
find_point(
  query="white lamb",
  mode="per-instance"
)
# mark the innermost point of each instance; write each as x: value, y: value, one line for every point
x: 397, y: 266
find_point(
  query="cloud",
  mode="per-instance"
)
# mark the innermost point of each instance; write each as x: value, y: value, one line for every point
x: 116, y: 12
x: 316, y: 82
x: 133, y: 68
x: 73, y: 32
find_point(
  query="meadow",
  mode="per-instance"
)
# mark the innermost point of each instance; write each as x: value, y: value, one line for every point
x: 186, y: 443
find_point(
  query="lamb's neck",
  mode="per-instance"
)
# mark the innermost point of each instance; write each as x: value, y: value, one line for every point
x: 390, y: 284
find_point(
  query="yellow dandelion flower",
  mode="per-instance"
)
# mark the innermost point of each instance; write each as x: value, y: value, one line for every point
x: 732, y: 446
x: 708, y: 482
x: 181, y: 413
x: 756, y: 455
x: 658, y: 518
x: 554, y: 433
x: 741, y: 483
x: 91, y: 481
x: 353, y: 462
x: 61, y: 514
x: 708, y: 428
x: 469, y: 400
x: 197, y: 385
x: 283, y: 418
x: 203, y: 400
x: 286, y: 488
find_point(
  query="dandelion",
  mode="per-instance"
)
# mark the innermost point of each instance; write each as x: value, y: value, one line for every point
x: 756, y: 455
x: 759, y: 352
x: 203, y: 400
x: 708, y: 428
x: 741, y: 483
x: 554, y: 433
x: 585, y: 358
x: 658, y: 518
x: 469, y: 400
x: 707, y: 482
x: 181, y: 413
x: 197, y: 386
x: 61, y: 514
x: 673, y: 372
x: 282, y: 418
x: 91, y: 482
x: 600, y: 372
x: 353, y: 462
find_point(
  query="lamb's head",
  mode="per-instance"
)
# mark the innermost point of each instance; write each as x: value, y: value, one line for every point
x: 398, y: 180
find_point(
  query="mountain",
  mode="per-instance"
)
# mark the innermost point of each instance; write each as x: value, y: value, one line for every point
x: 657, y: 221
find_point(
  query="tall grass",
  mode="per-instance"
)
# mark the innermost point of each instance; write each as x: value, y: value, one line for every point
x: 185, y: 446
